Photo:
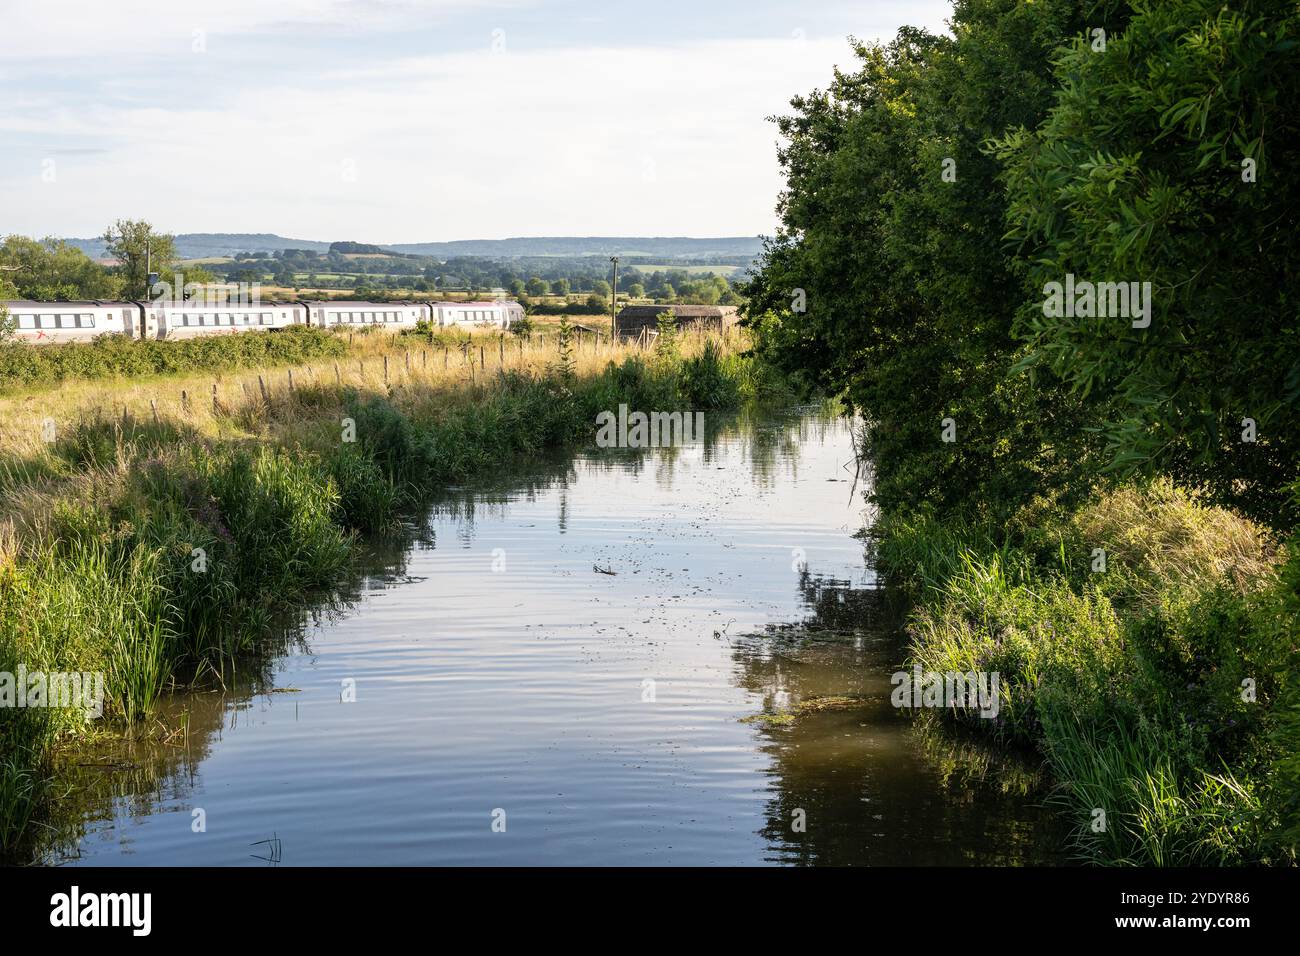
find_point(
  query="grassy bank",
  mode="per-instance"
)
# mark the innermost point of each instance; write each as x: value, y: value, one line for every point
x: 1157, y: 681
x: 157, y: 550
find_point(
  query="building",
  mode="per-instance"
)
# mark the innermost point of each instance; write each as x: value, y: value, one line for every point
x: 637, y: 320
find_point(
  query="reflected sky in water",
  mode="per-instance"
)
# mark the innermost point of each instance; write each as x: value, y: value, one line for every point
x: 496, y: 668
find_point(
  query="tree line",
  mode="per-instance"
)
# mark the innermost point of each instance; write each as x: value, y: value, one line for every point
x: 937, y: 191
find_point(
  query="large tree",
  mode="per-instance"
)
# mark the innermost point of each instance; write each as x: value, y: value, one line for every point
x: 52, y: 270
x: 1169, y: 157
x: 888, y: 281
x: 137, y: 247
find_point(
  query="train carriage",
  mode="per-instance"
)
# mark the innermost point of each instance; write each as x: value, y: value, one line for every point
x: 351, y: 315
x: 502, y: 314
x: 46, y: 322
x: 188, y: 320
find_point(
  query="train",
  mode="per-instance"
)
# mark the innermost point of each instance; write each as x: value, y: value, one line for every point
x: 49, y: 322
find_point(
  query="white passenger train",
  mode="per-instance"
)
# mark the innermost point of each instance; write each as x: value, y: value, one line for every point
x: 47, y: 322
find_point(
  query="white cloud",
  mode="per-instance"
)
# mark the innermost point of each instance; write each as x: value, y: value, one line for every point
x: 61, y: 29
x: 667, y: 140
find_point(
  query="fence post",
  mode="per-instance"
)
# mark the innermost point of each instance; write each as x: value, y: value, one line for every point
x: 261, y: 384
x: 153, y: 406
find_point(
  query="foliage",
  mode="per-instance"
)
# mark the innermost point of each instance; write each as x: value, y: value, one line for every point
x: 135, y: 245
x: 52, y: 270
x: 24, y: 365
x: 1129, y: 680
x: 887, y: 282
x: 1166, y: 159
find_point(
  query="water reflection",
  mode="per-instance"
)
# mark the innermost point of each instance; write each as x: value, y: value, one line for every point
x: 611, y: 715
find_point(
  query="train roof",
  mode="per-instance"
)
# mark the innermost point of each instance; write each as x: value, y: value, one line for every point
x: 97, y: 303
x: 222, y: 306
x: 355, y: 302
x: 488, y: 302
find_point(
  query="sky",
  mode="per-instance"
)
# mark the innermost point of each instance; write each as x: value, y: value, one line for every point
x: 393, y: 121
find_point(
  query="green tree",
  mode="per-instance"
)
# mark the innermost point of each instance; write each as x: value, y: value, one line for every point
x: 52, y: 270
x: 136, y: 247
x: 1169, y: 159
x: 888, y: 281
x: 538, y: 286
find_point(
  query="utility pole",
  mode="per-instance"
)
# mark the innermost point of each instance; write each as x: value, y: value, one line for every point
x: 613, y: 305
x: 148, y: 291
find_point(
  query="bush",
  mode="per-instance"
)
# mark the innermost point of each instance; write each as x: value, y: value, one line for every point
x: 23, y: 365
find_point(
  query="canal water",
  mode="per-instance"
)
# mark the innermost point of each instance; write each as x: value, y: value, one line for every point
x: 676, y: 656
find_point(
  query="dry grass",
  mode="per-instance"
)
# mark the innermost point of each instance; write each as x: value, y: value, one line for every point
x: 1169, y: 540
x: 217, y: 405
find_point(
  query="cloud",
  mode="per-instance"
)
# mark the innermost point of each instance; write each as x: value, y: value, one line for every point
x: 321, y: 118
x: 669, y: 140
x: 60, y: 29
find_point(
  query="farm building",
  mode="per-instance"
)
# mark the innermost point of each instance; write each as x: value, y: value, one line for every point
x: 636, y: 320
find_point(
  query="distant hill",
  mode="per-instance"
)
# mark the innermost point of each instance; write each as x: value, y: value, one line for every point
x: 203, y: 245
x: 671, y: 247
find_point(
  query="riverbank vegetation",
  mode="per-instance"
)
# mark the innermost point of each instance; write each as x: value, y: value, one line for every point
x: 1098, y: 502
x: 157, y: 550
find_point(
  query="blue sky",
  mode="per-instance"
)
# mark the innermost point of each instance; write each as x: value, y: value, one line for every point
x: 410, y: 120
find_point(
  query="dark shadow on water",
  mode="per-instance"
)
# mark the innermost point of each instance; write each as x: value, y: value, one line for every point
x: 857, y: 782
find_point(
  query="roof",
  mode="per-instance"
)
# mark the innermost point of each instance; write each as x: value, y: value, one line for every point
x: 680, y: 311
x: 489, y: 304
x: 352, y: 303
x: 101, y: 303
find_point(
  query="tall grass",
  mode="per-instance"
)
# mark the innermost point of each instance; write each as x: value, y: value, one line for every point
x: 1131, y: 681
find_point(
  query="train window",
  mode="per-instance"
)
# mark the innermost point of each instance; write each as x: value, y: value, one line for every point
x: 86, y: 321
x: 47, y: 321
x: 26, y: 321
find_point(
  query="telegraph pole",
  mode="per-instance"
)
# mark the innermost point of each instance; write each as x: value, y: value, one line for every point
x: 613, y: 305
